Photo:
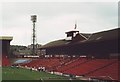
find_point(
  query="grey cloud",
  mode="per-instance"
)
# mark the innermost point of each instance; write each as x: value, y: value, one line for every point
x: 54, y: 18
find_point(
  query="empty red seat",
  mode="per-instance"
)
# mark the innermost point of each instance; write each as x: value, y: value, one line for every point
x: 5, y: 61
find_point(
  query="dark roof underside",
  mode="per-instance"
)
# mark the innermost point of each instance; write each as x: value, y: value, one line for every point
x: 100, y: 36
x: 105, y: 35
x: 56, y: 43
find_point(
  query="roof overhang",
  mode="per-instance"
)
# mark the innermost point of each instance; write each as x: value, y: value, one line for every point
x: 6, y: 38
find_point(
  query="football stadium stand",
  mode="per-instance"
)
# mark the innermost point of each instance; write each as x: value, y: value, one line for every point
x: 5, y: 46
x: 79, y: 67
x: 110, y: 70
x: 93, y: 56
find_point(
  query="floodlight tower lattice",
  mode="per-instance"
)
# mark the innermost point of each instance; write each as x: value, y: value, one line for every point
x: 33, y: 19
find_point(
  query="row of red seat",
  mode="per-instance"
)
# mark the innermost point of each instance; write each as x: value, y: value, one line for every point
x: 91, y: 65
x: 5, y: 61
x: 72, y: 64
x: 96, y: 67
x: 45, y: 62
x: 79, y: 66
x: 110, y: 71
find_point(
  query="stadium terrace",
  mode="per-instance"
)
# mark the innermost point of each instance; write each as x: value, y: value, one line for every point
x: 80, y: 56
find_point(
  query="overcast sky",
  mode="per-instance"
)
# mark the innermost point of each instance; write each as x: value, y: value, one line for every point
x: 55, y: 18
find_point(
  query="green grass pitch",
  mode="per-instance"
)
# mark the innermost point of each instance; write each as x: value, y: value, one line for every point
x: 9, y: 73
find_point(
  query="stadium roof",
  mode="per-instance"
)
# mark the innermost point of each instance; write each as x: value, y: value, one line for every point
x: 56, y: 43
x: 99, y: 36
x: 102, y: 36
x: 105, y: 35
x: 6, y: 37
x: 86, y: 35
x: 61, y: 42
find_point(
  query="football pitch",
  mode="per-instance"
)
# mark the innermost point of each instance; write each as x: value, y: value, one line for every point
x: 13, y: 73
